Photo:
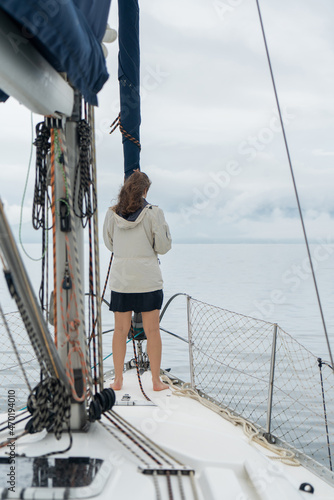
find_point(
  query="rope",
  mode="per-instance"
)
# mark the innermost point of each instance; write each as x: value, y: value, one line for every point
x: 193, y: 486
x: 169, y: 486
x: 84, y: 190
x: 117, y: 123
x: 92, y: 308
x: 50, y: 406
x: 160, y: 452
x: 136, y: 360
x: 179, y: 477
x: 98, y: 326
x: 108, y: 417
x: 71, y: 330
x: 41, y: 198
x: 156, y: 485
x: 295, y: 185
x: 13, y: 440
x: 53, y: 211
x: 69, y: 194
x: 286, y: 456
x: 159, y: 456
x: 131, y: 450
x: 40, y: 191
x: 103, y: 294
x: 16, y: 422
x: 107, y: 278
x: 25, y: 190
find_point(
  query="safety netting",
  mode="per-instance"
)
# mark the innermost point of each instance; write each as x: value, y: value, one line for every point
x: 261, y: 373
x: 11, y: 368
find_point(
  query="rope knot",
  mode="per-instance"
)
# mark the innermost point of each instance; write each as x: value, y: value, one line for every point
x: 73, y: 325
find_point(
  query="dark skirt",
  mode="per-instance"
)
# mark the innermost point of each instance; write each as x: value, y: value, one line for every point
x: 137, y: 302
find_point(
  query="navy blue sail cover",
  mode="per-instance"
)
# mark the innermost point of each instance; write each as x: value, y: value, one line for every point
x: 129, y: 80
x: 68, y: 34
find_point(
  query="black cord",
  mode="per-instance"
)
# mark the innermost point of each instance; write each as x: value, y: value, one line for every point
x: 294, y: 184
x: 84, y: 192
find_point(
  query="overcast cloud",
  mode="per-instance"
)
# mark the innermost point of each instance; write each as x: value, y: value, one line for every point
x: 210, y: 134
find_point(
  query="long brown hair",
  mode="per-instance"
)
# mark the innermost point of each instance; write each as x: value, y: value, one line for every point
x: 130, y: 197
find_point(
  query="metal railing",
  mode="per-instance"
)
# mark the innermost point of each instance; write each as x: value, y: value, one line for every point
x: 261, y: 373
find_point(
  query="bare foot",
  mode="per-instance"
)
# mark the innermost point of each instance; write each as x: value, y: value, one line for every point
x: 159, y: 386
x: 117, y: 384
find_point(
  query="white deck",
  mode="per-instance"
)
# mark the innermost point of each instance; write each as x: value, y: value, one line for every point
x: 226, y: 465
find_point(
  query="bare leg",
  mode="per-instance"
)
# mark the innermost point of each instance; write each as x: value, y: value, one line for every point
x: 151, y: 327
x: 122, y: 327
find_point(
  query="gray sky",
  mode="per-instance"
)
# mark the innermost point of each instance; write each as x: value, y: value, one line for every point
x: 210, y: 135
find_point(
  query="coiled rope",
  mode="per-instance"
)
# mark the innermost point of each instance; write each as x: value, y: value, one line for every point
x: 50, y: 406
x: 287, y: 457
x: 40, y: 191
x: 84, y: 191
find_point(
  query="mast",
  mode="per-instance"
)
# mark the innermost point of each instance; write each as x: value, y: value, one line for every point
x: 39, y: 59
x: 68, y: 252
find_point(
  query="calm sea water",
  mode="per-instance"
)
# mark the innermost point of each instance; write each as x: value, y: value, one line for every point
x: 266, y: 281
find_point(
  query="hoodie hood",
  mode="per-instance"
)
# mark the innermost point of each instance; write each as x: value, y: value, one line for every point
x: 130, y: 224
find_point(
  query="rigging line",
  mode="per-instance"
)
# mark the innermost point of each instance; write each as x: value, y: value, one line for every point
x: 91, y: 119
x: 146, y: 440
x: 25, y: 192
x: 61, y: 137
x: 16, y: 422
x: 4, y: 320
x: 104, y: 290
x: 50, y: 363
x: 137, y: 367
x: 160, y: 453
x: 294, y: 182
x: 91, y: 305
x: 54, y: 242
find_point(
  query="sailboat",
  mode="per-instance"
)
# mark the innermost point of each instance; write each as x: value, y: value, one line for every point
x: 75, y: 437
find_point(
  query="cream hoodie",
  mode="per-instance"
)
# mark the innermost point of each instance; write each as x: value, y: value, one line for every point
x: 135, y: 245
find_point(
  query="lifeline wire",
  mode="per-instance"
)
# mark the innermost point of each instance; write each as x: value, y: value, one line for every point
x: 294, y: 183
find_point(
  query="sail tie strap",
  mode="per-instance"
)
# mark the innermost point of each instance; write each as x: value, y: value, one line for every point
x: 117, y: 123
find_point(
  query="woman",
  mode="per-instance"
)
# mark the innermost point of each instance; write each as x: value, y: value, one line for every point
x: 136, y: 232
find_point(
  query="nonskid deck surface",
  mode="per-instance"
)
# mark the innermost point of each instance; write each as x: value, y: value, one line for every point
x: 121, y: 463
x: 219, y: 452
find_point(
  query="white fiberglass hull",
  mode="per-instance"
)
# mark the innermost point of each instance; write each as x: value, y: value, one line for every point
x: 194, y: 438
